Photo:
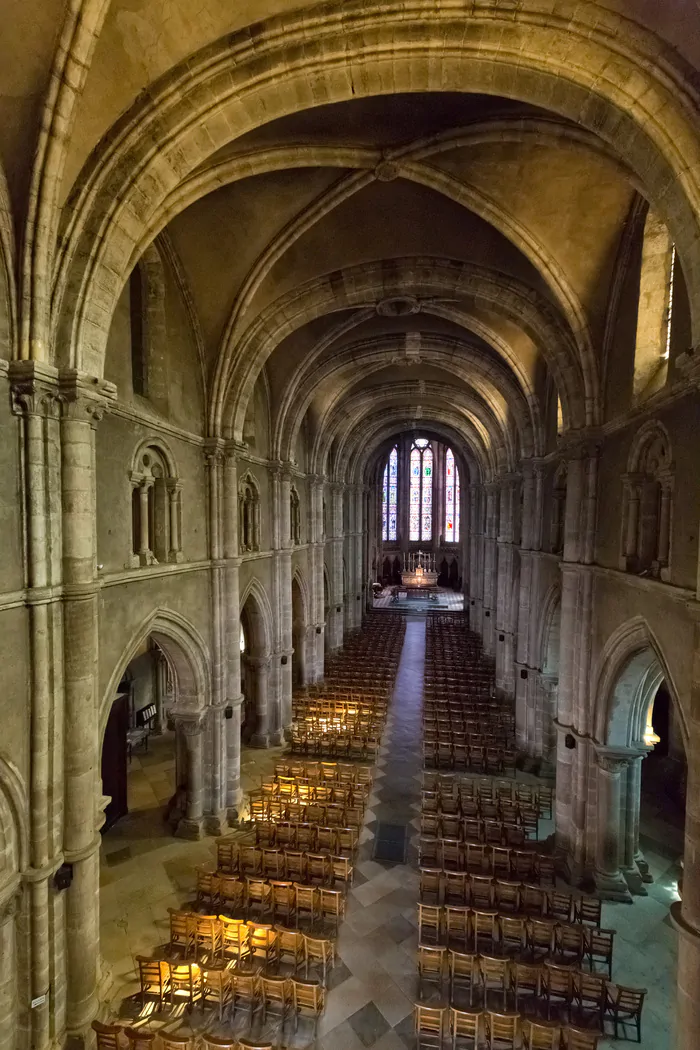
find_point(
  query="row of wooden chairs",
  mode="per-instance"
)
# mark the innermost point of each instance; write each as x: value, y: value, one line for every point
x: 261, y: 894
x: 332, y: 814
x: 164, y: 982
x: 316, y: 838
x: 447, y: 793
x: 218, y: 938
x: 333, y: 772
x: 473, y: 825
x: 280, y: 863
x: 335, y: 743
x: 489, y: 853
x: 498, y: 761
x: 305, y: 790
x: 517, y: 898
x: 501, y: 1031
x: 516, y: 936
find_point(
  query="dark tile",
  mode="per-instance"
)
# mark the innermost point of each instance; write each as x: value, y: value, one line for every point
x: 118, y: 856
x: 405, y: 1029
x: 398, y: 928
x: 368, y: 1024
x: 338, y: 975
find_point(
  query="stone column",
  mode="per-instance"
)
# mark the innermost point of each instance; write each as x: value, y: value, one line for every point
x: 476, y: 540
x: 336, y: 574
x: 192, y: 730
x: 260, y: 667
x: 631, y: 505
x: 285, y: 607
x: 83, y: 401
x: 35, y: 401
x: 316, y: 552
x: 609, y: 880
x: 9, y: 976
x: 232, y: 630
x: 490, y: 567
x: 631, y: 855
x: 214, y: 789
x: 160, y: 690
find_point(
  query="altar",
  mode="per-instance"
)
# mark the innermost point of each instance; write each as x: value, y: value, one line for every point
x: 419, y: 571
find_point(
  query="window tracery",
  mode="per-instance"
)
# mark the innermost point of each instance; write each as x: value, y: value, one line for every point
x: 156, y: 509
x: 390, y: 496
x: 420, y: 514
x: 452, y: 498
x: 648, y: 504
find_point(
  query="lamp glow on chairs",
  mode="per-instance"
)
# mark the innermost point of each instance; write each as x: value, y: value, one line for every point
x: 216, y: 987
x: 185, y: 983
x: 154, y: 975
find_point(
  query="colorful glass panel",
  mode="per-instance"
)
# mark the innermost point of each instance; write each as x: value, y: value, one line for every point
x: 451, y: 498
x: 390, y: 496
x: 420, y: 499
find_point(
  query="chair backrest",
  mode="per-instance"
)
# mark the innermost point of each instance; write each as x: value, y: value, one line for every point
x: 139, y: 1038
x: 107, y: 1035
x: 275, y: 988
x: 502, y: 1028
x: 176, y: 1042
x: 588, y: 909
x: 153, y: 974
x: 209, y: 1041
x: 431, y: 960
x: 558, y: 980
x: 466, y: 1024
x: 630, y: 1000
x: 580, y: 1038
x: 494, y: 968
x: 526, y: 975
x: 429, y: 1020
x: 463, y: 964
x: 540, y: 1036
x: 307, y: 995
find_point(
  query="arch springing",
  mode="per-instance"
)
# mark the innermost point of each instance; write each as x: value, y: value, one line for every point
x: 390, y: 496
x: 647, y: 504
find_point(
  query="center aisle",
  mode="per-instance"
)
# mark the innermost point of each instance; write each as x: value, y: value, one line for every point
x: 373, y: 984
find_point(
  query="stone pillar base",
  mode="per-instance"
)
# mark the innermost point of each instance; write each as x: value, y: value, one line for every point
x: 277, y: 738
x: 634, y: 880
x: 259, y: 740
x: 190, y: 829
x: 612, y: 887
x: 232, y: 815
x: 216, y: 823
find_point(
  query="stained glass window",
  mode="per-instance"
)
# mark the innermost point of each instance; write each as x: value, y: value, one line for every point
x: 390, y: 496
x: 451, y: 498
x: 420, y: 510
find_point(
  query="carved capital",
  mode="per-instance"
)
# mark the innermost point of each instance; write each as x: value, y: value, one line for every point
x: 191, y: 726
x: 84, y: 398
x: 34, y: 388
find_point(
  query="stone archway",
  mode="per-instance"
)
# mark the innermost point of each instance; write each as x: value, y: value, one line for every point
x: 261, y: 723
x: 15, y: 952
x: 632, y: 670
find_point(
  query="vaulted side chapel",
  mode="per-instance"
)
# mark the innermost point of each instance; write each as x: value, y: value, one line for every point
x: 346, y: 342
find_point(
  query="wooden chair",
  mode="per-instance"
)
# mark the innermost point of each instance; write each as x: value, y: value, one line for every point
x: 484, y: 929
x: 544, y: 869
x: 207, y: 935
x: 558, y: 987
x: 507, y: 896
x: 589, y: 996
x: 182, y: 931
x: 465, y: 1025
x: 318, y: 868
x: 154, y: 975
x: 327, y: 839
x: 558, y: 906
x: 231, y: 894
x: 207, y: 888
x: 532, y: 899
x: 262, y: 941
x: 464, y: 971
x: 431, y: 964
x: 227, y: 856
x: 331, y: 905
x: 308, y: 997
x: 234, y: 938
x: 216, y: 987
x: 540, y: 937
x: 495, y: 976
x: 455, y: 887
x: 276, y: 996
x: 481, y: 891
x: 538, y: 1035
x: 599, y: 947
x: 107, y: 1035
x: 281, y: 899
x: 173, y: 1041
x: 209, y: 1041
x: 305, y: 902
x: 502, y: 1030
x: 526, y: 977
x: 512, y: 931
x: 588, y: 909
x: 569, y: 943
x: 185, y: 983
x: 139, y: 1038
x: 430, y: 883
x: 290, y: 946
x: 257, y: 895
x: 319, y: 950
x: 579, y: 1038
x: 458, y: 927
x: 624, y: 1007
x: 429, y: 1022
x: 347, y: 841
x: 245, y: 992
x: 429, y: 924
x: 341, y: 871
x: 272, y: 863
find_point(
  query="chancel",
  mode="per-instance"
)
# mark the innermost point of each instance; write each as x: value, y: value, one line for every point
x: 419, y: 571
x: 350, y: 524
